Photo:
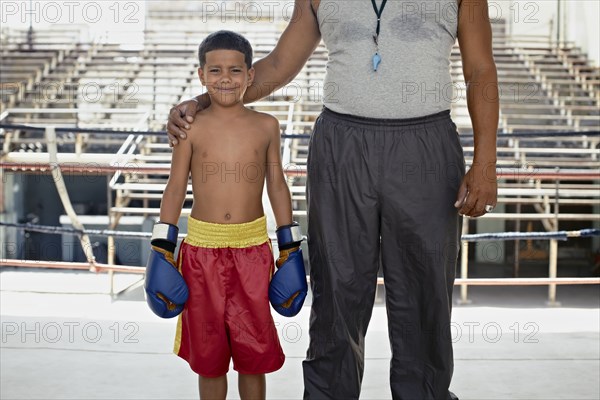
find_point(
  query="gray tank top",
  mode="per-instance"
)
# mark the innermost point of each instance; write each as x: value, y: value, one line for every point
x: 415, y: 41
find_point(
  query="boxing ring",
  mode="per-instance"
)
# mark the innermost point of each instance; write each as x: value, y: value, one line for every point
x: 121, y: 164
x: 487, y: 339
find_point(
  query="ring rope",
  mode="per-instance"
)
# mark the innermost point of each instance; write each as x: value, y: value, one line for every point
x: 63, y: 193
x: 559, y: 235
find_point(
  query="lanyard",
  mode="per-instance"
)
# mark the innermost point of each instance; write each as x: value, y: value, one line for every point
x: 378, y: 12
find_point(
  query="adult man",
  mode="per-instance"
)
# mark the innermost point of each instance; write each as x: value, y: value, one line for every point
x: 386, y: 178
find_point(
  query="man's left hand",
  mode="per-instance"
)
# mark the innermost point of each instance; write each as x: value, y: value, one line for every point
x: 478, y: 190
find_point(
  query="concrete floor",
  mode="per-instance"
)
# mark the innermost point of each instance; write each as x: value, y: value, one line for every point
x: 63, y: 337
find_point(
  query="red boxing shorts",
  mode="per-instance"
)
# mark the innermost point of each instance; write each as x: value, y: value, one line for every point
x: 227, y: 268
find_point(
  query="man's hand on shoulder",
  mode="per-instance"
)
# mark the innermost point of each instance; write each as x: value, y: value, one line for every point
x: 180, y: 118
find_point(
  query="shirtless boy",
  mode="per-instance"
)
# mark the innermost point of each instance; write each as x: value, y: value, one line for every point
x: 226, y: 259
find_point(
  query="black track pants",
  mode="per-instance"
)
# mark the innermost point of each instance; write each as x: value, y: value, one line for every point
x: 382, y: 190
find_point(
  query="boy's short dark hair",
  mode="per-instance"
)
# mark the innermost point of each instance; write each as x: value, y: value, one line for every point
x: 225, y: 40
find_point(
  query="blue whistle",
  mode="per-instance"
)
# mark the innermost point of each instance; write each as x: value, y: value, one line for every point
x: 376, y: 61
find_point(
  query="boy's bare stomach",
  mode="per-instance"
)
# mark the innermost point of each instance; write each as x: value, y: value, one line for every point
x: 230, y: 207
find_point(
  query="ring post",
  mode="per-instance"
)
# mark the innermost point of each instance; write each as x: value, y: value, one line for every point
x: 553, y: 269
x: 553, y: 262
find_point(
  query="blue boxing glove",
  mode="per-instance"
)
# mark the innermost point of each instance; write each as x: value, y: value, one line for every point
x: 288, y: 286
x: 166, y: 291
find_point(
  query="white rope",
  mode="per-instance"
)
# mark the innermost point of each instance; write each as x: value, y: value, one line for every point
x: 64, y: 196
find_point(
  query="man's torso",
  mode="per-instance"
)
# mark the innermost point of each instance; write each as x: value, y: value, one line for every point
x: 413, y: 78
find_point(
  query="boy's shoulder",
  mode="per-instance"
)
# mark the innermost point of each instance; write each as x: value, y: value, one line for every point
x: 263, y: 117
x: 201, y: 117
x: 267, y: 123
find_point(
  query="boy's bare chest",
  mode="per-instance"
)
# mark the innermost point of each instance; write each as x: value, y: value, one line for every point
x: 231, y: 145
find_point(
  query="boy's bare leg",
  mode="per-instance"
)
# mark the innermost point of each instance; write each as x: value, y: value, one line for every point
x: 213, y: 388
x: 252, y: 387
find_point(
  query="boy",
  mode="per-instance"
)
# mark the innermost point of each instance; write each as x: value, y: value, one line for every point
x: 226, y: 259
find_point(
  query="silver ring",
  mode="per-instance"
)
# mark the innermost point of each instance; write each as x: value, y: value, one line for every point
x: 489, y: 208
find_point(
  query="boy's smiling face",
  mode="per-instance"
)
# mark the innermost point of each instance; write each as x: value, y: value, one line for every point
x: 226, y: 76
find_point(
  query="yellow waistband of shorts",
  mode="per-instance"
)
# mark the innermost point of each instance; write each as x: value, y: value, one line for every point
x: 211, y: 235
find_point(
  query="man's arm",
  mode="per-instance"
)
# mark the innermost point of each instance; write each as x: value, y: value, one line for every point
x: 176, y: 189
x: 479, y: 188
x: 296, y: 44
x: 277, y: 188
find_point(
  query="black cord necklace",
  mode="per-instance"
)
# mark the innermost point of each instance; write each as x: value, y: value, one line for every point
x: 378, y: 12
